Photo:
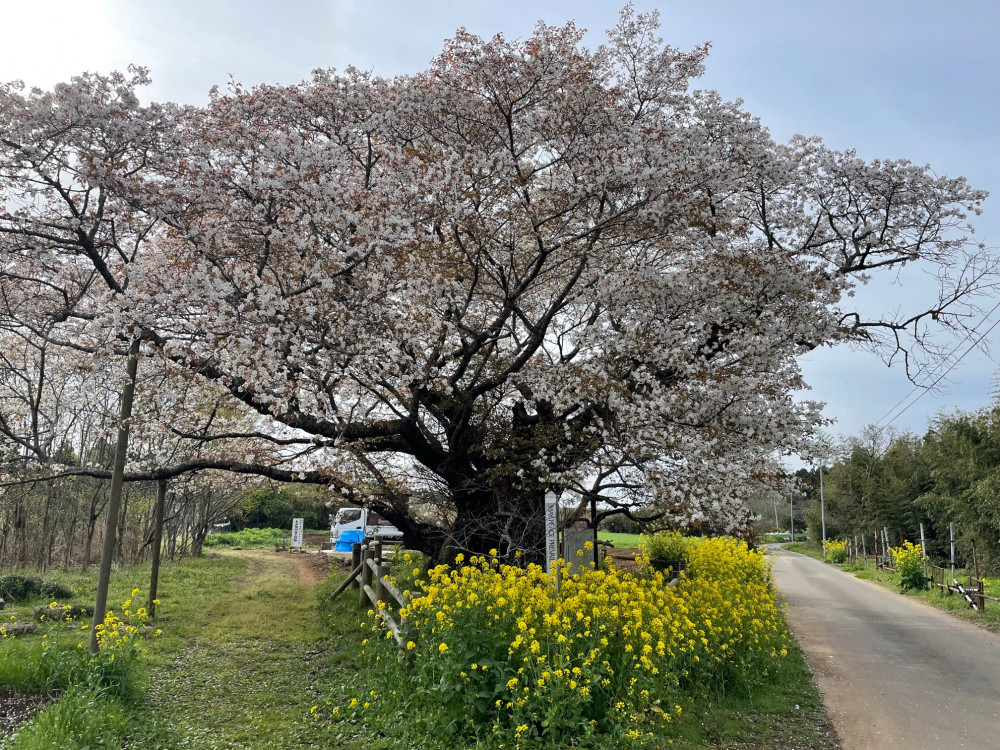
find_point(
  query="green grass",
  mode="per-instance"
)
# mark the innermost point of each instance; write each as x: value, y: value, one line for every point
x: 787, y: 714
x: 242, y: 664
x: 77, y: 721
x: 237, y: 665
x: 620, y: 541
x: 805, y: 548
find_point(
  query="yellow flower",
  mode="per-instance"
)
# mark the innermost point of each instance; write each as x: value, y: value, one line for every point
x: 443, y: 647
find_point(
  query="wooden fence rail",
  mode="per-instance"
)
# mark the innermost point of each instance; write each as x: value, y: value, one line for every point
x: 370, y: 575
x: 974, y: 593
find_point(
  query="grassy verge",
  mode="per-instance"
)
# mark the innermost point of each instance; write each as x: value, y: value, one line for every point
x: 787, y: 715
x: 805, y: 548
x: 238, y: 666
x: 781, y: 536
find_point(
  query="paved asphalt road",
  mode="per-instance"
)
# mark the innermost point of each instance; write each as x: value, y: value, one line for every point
x: 894, y: 673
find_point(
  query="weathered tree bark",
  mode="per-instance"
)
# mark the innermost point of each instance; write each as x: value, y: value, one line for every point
x: 114, y: 502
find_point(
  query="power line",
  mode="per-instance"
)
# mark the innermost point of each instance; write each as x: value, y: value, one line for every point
x: 924, y: 389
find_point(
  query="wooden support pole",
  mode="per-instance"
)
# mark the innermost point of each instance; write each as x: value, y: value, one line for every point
x: 381, y: 593
x: 975, y: 559
x: 115, y: 493
x: 154, y: 573
x: 355, y: 562
x: 366, y: 575
x: 351, y: 580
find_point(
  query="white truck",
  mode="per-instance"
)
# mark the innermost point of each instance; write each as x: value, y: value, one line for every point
x: 363, y: 519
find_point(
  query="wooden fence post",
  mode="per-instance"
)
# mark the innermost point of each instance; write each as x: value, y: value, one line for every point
x: 366, y: 575
x: 355, y: 561
x: 381, y: 593
x: 980, y: 589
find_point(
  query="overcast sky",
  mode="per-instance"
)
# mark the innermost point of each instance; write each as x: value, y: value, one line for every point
x: 908, y: 79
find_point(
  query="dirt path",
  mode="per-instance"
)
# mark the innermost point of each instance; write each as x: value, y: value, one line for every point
x: 894, y: 673
x: 310, y: 568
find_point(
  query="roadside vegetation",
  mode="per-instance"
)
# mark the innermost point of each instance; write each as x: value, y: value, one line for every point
x: 497, y: 657
x: 902, y: 482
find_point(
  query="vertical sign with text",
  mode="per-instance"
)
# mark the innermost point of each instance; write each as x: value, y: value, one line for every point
x: 297, y: 524
x: 551, y: 530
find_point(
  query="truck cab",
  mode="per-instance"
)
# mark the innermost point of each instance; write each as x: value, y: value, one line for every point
x: 362, y: 519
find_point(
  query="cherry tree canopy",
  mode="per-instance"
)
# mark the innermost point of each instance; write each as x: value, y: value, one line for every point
x: 532, y: 266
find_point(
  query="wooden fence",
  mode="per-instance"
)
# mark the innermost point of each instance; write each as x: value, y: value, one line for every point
x: 974, y: 593
x: 370, y: 576
x: 943, y: 579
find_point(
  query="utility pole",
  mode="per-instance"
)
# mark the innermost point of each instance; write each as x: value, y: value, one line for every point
x: 822, y: 508
x: 791, y: 515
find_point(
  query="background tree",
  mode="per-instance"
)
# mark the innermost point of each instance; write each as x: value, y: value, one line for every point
x: 963, y: 453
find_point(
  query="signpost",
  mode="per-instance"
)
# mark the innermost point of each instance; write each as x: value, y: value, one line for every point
x: 551, y: 531
x: 297, y: 532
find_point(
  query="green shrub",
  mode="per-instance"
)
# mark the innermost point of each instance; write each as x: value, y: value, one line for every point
x: 909, y: 561
x: 620, y: 524
x: 17, y: 588
x: 248, y: 538
x: 55, y: 591
x: 663, y: 548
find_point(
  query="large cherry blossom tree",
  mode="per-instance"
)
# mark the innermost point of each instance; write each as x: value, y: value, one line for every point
x: 533, y: 266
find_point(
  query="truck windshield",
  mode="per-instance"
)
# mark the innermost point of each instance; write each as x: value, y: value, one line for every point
x: 348, y: 515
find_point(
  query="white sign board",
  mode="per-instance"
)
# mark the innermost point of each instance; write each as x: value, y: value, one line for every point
x: 297, y: 532
x: 551, y: 530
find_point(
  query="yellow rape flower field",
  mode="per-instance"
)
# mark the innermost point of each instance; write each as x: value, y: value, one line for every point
x: 500, y: 656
